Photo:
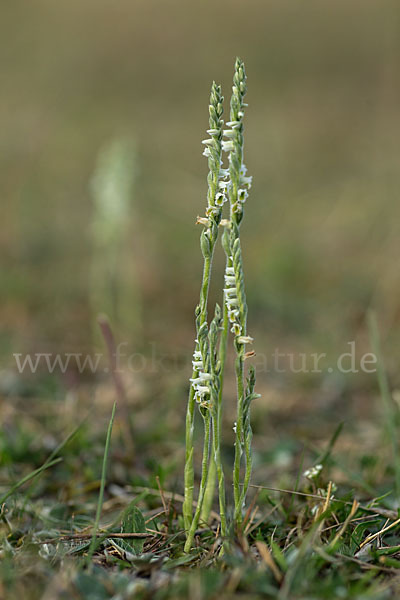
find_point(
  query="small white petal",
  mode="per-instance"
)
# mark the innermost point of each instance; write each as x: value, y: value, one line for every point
x: 228, y: 146
x: 236, y: 329
x: 229, y: 280
x: 245, y: 339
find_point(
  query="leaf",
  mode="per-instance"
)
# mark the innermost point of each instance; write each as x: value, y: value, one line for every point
x: 132, y: 522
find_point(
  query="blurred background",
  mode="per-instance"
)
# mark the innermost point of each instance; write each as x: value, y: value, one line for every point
x: 103, y: 109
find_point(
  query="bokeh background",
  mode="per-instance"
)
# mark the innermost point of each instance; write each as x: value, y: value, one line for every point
x: 88, y: 83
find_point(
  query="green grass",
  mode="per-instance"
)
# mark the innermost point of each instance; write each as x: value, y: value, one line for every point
x: 293, y: 544
x: 320, y: 242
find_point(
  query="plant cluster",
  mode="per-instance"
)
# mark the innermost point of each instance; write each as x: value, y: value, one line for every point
x: 225, y: 186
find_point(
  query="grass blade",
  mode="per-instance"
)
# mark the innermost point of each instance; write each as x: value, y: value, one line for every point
x: 102, y: 486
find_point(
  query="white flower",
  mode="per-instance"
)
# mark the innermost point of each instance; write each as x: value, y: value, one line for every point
x: 246, y: 181
x: 230, y: 292
x: 232, y: 302
x: 245, y: 339
x: 228, y: 146
x: 220, y: 199
x: 313, y: 472
x: 229, y: 133
x: 233, y: 124
x: 223, y: 185
x: 242, y: 195
x: 233, y: 315
x: 229, y: 280
x: 213, y: 131
x: 230, y: 270
x: 236, y: 329
x: 234, y: 426
x: 208, y: 142
x: 202, y: 378
x: 207, y: 152
x: 201, y: 391
x: 212, y: 210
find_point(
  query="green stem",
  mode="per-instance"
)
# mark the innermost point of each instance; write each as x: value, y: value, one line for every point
x: 203, y: 483
x: 247, y: 473
x: 92, y: 546
x: 209, y: 493
x: 220, y: 473
x: 187, y: 508
x: 239, y: 437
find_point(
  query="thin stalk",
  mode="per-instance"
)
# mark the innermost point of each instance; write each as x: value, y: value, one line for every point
x: 92, y: 546
x: 220, y: 472
x: 234, y: 278
x: 203, y: 482
x: 391, y: 412
x: 215, y: 200
x: 187, y: 508
x: 216, y: 467
x: 239, y: 437
x: 210, y: 489
x: 28, y: 477
x: 247, y: 473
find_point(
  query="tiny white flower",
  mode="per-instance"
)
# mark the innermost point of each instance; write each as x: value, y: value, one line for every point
x: 245, y: 339
x: 234, y: 426
x: 232, y: 302
x: 229, y: 292
x: 220, y: 199
x: 233, y: 124
x: 202, y: 378
x: 201, y: 390
x: 229, y: 133
x: 229, y: 280
x: 212, y: 210
x: 207, y: 152
x: 247, y: 181
x: 213, y: 131
x: 207, y: 142
x: 197, y: 364
x: 228, y: 146
x: 242, y: 195
x: 236, y: 329
x: 223, y: 185
x: 230, y: 270
x: 313, y: 472
x: 233, y: 315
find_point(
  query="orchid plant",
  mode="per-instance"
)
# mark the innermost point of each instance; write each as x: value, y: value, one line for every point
x: 225, y: 186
